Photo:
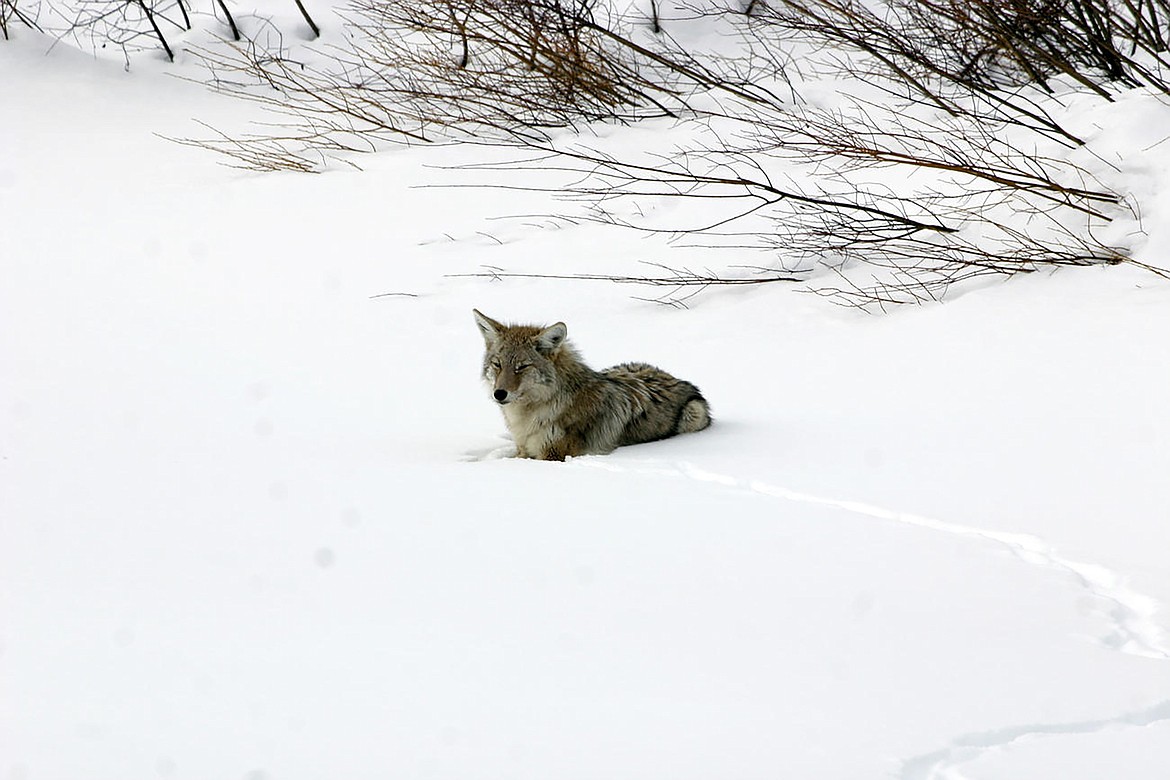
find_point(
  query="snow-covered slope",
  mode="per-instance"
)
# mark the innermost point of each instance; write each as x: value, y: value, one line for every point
x: 248, y: 527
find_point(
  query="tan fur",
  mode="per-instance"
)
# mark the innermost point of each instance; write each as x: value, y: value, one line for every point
x: 555, y: 406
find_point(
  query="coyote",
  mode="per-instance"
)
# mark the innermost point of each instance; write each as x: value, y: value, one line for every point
x: 555, y: 406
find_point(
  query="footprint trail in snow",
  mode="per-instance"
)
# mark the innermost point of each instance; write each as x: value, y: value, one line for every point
x: 1134, y: 629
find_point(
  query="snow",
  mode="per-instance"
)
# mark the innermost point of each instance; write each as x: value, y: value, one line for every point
x: 250, y: 528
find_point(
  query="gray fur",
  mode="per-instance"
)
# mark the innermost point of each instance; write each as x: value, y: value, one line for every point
x: 555, y: 406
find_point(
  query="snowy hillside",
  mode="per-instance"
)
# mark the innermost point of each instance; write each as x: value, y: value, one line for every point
x: 250, y: 525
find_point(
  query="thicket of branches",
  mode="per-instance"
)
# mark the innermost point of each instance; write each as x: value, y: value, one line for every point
x: 129, y: 26
x: 948, y: 161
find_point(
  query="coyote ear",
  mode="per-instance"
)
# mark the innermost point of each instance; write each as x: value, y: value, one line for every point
x: 487, y: 326
x: 551, y: 337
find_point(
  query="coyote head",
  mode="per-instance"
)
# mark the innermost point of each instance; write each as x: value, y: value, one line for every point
x: 518, y: 361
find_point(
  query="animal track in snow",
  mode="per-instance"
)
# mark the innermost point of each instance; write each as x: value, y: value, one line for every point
x: 1134, y: 629
x: 967, y: 748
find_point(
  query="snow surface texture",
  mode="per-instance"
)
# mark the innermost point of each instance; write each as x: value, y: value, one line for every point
x: 249, y: 527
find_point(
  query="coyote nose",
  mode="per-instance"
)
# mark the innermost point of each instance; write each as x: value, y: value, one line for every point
x: 501, y: 395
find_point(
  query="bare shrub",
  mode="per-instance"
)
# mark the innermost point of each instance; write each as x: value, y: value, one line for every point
x: 1097, y: 42
x: 128, y: 25
x: 920, y: 179
x: 133, y: 26
x: 427, y: 70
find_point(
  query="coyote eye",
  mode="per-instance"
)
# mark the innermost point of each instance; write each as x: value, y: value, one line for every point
x: 495, y: 364
x: 522, y: 367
